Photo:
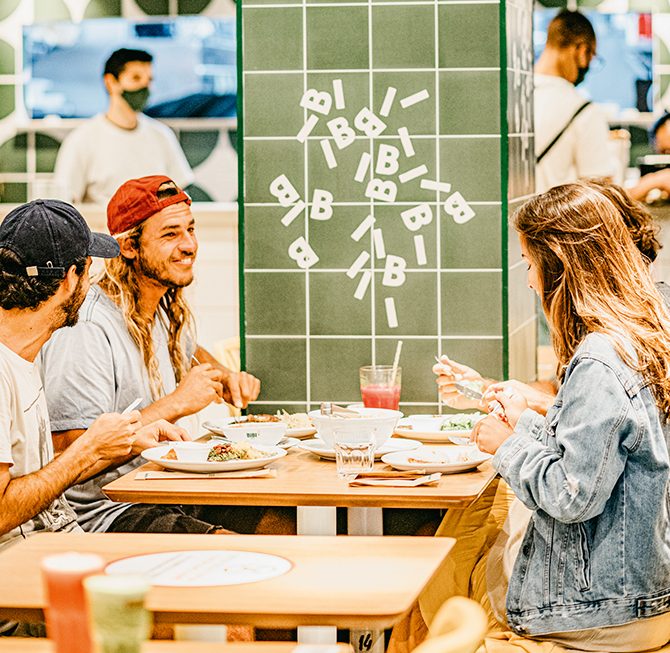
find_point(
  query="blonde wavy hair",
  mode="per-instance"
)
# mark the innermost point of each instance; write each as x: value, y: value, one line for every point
x: 119, y: 282
x: 594, y: 279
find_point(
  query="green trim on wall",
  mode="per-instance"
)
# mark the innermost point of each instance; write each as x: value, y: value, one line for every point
x: 240, y: 185
x: 504, y: 183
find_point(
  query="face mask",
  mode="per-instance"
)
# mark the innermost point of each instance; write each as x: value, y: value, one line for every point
x: 581, y: 74
x: 138, y: 99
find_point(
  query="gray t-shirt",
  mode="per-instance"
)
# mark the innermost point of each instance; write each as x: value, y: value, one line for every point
x: 25, y: 439
x: 95, y: 368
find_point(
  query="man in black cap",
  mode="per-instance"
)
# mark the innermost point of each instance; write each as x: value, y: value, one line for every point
x: 45, y: 253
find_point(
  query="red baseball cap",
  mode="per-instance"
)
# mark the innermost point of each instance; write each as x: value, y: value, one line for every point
x: 137, y: 199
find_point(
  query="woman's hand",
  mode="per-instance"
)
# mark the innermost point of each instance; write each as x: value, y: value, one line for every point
x: 537, y: 400
x: 513, y: 403
x: 450, y: 372
x: 489, y: 433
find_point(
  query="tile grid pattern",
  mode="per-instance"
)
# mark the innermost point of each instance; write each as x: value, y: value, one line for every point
x: 521, y: 319
x: 306, y: 323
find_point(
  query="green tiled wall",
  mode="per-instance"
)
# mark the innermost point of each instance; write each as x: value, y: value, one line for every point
x: 467, y: 298
x: 28, y: 150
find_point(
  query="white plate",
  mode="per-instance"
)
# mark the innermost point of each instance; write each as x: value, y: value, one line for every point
x: 319, y: 448
x: 446, y: 461
x: 217, y: 427
x: 202, y: 568
x: 284, y: 443
x: 194, y: 458
x: 431, y: 432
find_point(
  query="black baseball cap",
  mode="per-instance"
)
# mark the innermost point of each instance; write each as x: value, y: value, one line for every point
x: 48, y: 236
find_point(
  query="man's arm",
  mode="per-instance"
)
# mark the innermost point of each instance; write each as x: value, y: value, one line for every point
x: 70, y: 171
x: 239, y: 388
x: 592, y: 155
x: 24, y: 497
x: 148, y: 436
x: 654, y: 180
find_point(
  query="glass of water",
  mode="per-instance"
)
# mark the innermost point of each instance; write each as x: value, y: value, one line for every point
x: 354, y: 452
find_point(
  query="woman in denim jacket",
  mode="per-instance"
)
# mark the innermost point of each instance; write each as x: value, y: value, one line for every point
x: 593, y: 571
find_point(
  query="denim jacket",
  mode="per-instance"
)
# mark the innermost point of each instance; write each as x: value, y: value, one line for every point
x: 596, y: 473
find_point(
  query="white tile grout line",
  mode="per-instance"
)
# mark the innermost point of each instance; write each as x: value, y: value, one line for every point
x: 362, y: 71
x: 368, y: 337
x: 380, y: 271
x: 373, y: 283
x: 308, y: 349
x: 367, y: 204
x: 389, y: 137
x: 376, y: 4
x: 438, y: 226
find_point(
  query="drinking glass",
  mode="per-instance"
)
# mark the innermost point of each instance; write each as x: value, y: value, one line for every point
x: 379, y: 387
x: 354, y: 452
x: 120, y: 621
x: 67, y: 622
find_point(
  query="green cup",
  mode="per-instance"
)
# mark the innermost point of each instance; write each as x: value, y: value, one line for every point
x: 119, y: 620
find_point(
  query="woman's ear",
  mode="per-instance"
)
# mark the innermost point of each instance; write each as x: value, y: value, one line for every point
x: 128, y: 247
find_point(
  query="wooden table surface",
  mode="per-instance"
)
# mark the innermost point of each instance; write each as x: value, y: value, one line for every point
x: 36, y: 645
x: 334, y: 581
x: 302, y: 480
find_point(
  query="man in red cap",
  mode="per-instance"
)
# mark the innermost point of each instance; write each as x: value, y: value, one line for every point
x: 135, y: 339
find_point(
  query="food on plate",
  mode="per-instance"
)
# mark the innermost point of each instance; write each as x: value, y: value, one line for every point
x: 295, y: 420
x: 170, y: 455
x: 262, y: 417
x: 220, y: 453
x: 434, y: 458
x: 459, y: 423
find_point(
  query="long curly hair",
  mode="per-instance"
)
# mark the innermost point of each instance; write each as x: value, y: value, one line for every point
x: 119, y: 280
x: 639, y: 222
x: 594, y: 279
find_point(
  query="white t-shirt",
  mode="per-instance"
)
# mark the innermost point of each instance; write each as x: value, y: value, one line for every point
x: 25, y: 438
x: 583, y: 150
x: 97, y: 157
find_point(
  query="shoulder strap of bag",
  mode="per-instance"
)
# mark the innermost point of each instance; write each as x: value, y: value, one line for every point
x: 546, y: 150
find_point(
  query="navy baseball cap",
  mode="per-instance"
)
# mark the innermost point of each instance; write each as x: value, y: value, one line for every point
x: 48, y: 236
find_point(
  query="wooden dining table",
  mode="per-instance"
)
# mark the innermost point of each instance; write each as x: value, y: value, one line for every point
x: 38, y: 645
x: 335, y: 581
x: 305, y: 481
x: 312, y: 486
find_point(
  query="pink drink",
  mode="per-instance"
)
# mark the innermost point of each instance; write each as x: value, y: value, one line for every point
x: 381, y: 396
x: 66, y: 612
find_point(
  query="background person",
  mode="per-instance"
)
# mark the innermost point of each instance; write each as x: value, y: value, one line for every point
x: 135, y: 339
x: 571, y: 134
x: 97, y: 157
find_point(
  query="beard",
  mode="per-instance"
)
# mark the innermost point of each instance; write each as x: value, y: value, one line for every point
x: 160, y: 271
x: 68, y: 311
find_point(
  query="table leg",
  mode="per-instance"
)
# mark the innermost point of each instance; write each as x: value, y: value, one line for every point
x: 366, y: 521
x: 317, y: 520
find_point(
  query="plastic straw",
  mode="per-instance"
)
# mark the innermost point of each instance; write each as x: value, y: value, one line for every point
x: 396, y: 360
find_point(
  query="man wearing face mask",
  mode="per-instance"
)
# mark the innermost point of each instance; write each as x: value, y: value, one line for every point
x: 96, y: 158
x: 571, y: 134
